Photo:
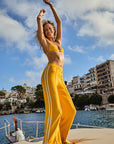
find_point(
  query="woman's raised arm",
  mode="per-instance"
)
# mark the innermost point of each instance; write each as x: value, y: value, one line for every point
x: 40, y: 32
x: 58, y: 21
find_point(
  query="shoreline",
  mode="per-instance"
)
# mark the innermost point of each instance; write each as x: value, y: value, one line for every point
x: 23, y: 111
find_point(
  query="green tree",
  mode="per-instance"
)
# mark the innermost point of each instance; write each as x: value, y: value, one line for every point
x: 75, y: 100
x: 7, y: 105
x: 38, y: 87
x: 95, y: 99
x: 2, y: 93
x: 81, y: 101
x: 39, y: 92
x: 39, y: 104
x: 39, y: 96
x: 22, y: 105
x: 28, y: 99
x: 31, y: 104
x: 1, y: 106
x: 111, y: 99
x: 20, y: 89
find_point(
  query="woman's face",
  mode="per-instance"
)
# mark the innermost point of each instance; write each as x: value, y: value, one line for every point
x: 49, y: 31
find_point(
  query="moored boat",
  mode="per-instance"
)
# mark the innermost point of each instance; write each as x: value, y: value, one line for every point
x: 110, y: 107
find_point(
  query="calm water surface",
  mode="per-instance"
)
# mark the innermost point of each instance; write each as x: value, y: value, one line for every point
x: 94, y: 118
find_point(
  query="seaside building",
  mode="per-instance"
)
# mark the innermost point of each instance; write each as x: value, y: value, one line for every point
x: 105, y: 77
x: 74, y: 85
x: 70, y: 88
x: 99, y: 79
x: 30, y: 91
x: 83, y: 85
x: 13, y: 97
x: 90, y: 80
x: 3, y: 98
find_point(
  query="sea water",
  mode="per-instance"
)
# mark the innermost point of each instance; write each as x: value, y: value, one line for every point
x: 94, y: 118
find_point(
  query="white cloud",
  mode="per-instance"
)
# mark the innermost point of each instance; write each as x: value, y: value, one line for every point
x: 75, y: 8
x: 32, y: 78
x: 78, y: 49
x: 97, y: 17
x: 98, y: 59
x: 33, y: 75
x: 11, y: 29
x: 17, y: 33
x: 27, y: 10
x: 112, y: 57
x: 37, y: 62
x: 12, y: 80
x: 68, y: 60
x: 14, y: 33
x: 100, y: 25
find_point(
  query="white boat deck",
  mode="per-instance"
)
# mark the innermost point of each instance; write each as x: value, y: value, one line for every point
x: 87, y: 136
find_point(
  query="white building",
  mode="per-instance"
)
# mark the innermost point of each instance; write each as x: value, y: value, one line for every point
x: 85, y: 84
x: 3, y: 98
x: 30, y: 91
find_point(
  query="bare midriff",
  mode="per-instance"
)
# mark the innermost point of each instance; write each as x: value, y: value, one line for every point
x: 56, y: 57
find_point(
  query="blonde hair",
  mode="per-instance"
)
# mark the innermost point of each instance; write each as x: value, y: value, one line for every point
x: 49, y: 22
x: 44, y: 22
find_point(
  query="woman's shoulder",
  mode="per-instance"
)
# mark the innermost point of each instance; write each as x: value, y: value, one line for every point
x: 58, y: 41
x: 45, y: 46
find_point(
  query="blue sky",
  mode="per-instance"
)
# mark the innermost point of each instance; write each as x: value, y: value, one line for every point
x: 88, y: 38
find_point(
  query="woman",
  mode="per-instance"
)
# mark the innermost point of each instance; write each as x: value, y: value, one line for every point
x: 59, y: 107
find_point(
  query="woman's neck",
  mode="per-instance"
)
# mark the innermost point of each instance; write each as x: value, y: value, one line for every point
x: 52, y: 39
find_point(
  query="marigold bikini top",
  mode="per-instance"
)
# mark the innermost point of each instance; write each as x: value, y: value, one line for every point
x: 53, y: 47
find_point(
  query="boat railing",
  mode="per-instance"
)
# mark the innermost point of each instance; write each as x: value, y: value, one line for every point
x: 37, y: 123
x: 21, y: 122
x: 78, y: 125
x: 6, y: 127
x: 87, y: 126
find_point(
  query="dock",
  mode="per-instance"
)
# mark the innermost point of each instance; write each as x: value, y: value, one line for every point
x: 87, y: 136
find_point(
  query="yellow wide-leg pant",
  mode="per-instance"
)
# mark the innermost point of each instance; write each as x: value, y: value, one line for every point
x: 59, y: 108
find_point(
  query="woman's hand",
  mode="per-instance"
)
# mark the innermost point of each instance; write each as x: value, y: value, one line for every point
x: 47, y: 2
x: 41, y: 13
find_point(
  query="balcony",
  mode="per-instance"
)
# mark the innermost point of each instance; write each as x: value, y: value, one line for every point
x: 103, y: 74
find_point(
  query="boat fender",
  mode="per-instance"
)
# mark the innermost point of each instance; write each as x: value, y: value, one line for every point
x: 19, y: 135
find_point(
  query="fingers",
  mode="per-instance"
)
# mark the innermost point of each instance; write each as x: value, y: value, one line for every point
x: 41, y: 13
x: 44, y: 11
